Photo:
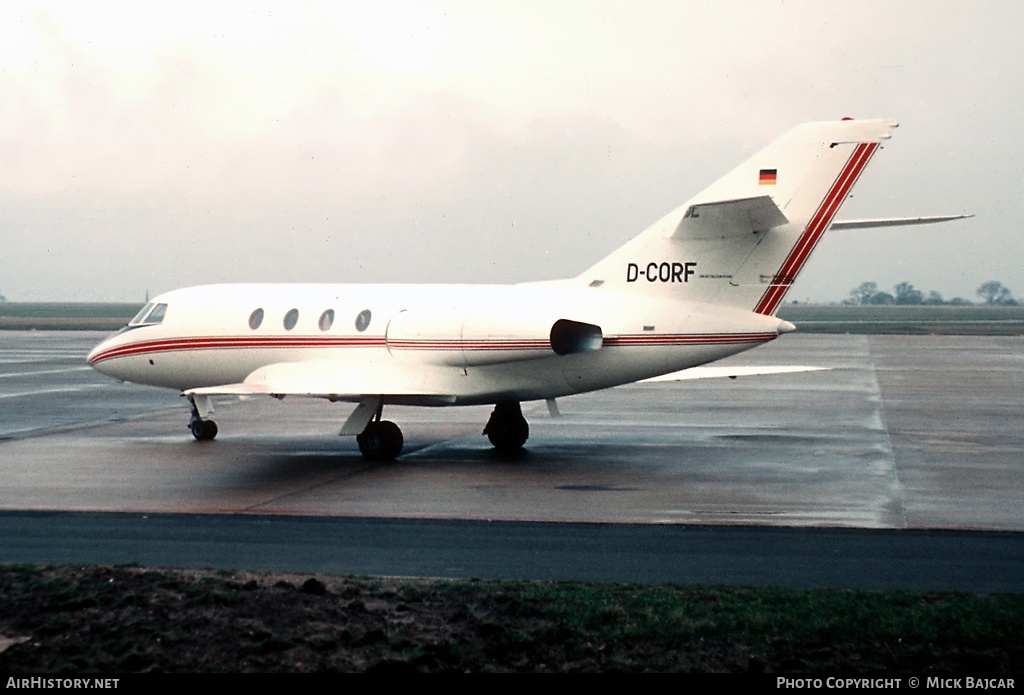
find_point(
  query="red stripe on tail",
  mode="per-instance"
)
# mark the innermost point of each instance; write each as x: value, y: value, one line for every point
x: 815, y: 229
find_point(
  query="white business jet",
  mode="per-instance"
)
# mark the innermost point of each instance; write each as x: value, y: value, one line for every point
x: 700, y: 284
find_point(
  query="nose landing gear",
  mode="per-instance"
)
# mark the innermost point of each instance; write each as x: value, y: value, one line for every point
x: 203, y: 429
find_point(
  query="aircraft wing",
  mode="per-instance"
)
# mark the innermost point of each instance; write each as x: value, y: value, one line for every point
x: 732, y: 372
x: 325, y: 379
x: 895, y: 221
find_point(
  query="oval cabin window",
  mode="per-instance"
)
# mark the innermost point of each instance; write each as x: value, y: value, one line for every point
x: 327, y: 320
x: 290, y: 319
x: 363, y: 320
x: 255, y: 319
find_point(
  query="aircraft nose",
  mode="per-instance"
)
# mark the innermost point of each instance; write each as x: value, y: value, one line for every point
x: 94, y: 354
x: 94, y: 359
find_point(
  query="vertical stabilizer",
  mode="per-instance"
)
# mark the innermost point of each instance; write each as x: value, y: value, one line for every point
x: 743, y: 240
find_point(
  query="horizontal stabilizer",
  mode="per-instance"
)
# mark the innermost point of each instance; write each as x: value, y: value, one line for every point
x: 732, y: 372
x: 895, y: 221
x: 730, y: 218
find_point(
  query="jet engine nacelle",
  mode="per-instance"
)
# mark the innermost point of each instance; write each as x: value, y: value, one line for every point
x: 459, y: 339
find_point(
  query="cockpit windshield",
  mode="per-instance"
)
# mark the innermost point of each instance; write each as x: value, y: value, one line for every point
x: 151, y: 313
x: 157, y: 315
x: 141, y: 315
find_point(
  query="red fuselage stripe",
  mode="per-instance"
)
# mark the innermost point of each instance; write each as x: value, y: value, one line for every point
x: 237, y: 343
x: 216, y: 343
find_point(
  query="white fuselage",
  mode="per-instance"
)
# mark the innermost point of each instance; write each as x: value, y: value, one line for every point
x: 426, y: 344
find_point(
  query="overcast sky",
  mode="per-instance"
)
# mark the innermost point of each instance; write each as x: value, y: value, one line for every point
x: 148, y: 146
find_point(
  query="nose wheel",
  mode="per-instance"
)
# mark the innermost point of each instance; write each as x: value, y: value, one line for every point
x: 203, y: 428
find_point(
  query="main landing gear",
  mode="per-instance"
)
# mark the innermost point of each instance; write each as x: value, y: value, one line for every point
x: 507, y: 428
x: 381, y: 440
x: 203, y: 429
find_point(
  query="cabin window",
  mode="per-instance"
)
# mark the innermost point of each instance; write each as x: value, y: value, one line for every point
x: 290, y: 319
x: 255, y: 319
x: 326, y: 320
x: 363, y: 320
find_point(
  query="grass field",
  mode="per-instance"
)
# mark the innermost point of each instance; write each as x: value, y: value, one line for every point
x: 73, y: 619
x: 809, y: 318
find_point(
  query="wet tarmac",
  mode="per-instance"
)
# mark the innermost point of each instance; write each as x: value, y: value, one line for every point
x: 900, y: 432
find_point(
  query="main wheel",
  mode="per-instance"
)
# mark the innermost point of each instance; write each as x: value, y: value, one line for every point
x: 507, y: 429
x: 381, y: 441
x: 203, y: 430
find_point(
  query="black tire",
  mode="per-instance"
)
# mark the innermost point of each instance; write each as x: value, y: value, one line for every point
x: 508, y: 434
x: 203, y: 430
x: 381, y: 441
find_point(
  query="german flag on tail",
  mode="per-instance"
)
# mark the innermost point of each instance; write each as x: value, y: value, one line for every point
x: 767, y: 177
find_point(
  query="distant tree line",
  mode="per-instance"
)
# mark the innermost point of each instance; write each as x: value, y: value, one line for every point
x: 993, y: 293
